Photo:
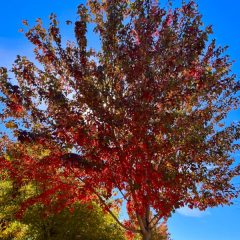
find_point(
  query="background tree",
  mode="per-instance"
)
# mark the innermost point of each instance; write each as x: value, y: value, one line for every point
x: 41, y: 222
x: 143, y: 115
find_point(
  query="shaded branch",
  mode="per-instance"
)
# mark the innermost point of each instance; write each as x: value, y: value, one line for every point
x: 111, y: 213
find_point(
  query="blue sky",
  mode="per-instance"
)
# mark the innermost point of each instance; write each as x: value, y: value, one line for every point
x: 220, y: 223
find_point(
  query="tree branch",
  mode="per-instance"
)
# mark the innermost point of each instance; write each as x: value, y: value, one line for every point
x: 115, y: 218
x: 111, y: 213
x: 155, y: 220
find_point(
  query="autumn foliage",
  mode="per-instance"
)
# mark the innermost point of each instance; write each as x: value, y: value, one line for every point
x: 143, y: 116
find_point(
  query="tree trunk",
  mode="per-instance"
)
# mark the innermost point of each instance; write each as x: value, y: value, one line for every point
x: 144, y: 224
x: 147, y: 235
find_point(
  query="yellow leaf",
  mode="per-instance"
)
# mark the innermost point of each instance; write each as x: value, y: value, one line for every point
x: 11, y: 125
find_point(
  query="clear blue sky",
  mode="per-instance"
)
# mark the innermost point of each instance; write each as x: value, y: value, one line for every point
x: 215, y: 224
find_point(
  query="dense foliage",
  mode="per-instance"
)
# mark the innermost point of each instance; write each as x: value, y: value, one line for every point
x: 144, y: 115
x: 40, y: 222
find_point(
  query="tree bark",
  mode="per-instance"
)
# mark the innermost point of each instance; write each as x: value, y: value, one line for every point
x: 147, y: 235
x: 144, y: 225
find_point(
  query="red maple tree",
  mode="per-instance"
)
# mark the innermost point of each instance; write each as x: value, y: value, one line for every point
x: 144, y: 115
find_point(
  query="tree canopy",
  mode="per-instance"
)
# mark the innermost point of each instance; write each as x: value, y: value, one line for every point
x: 144, y: 115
